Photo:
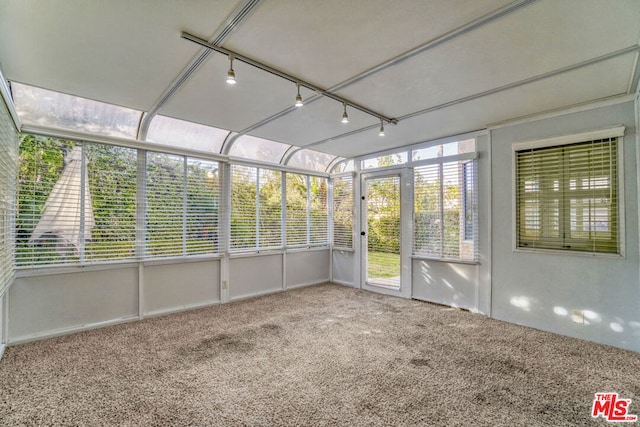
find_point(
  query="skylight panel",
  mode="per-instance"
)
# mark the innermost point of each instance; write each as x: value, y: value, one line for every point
x: 184, y: 134
x: 253, y: 148
x: 43, y: 107
x: 309, y: 159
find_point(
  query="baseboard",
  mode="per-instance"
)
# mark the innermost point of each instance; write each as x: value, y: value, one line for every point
x: 2, y: 348
x: 257, y: 294
x: 66, y: 331
x: 173, y: 310
x: 302, y: 285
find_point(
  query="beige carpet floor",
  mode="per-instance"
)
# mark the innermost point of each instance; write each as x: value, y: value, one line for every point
x: 324, y: 355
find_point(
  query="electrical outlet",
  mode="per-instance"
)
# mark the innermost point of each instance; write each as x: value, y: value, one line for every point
x: 577, y: 316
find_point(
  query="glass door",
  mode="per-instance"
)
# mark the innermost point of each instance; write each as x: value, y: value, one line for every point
x: 381, y: 231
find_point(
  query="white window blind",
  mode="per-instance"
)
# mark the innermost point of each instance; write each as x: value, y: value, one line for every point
x: 445, y: 206
x: 567, y: 197
x: 319, y: 211
x: 165, y: 200
x: 297, y: 208
x: 343, y: 212
x: 110, y: 204
x: 256, y: 208
x: 8, y: 169
x: 202, y: 208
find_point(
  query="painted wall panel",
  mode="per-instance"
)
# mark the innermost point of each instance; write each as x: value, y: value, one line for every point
x: 541, y: 289
x: 343, y: 267
x: 307, y: 267
x: 3, y: 325
x: 255, y: 275
x: 446, y: 283
x: 43, y: 305
x: 170, y: 287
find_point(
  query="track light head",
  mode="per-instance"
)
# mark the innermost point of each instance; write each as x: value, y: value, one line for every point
x: 299, y: 102
x: 231, y: 75
x: 345, y: 116
x: 381, y: 133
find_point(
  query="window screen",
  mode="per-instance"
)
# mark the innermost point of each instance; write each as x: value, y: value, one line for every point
x: 8, y: 168
x: 567, y: 197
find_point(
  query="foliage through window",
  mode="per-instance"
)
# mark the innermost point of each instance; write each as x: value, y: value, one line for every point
x: 343, y: 212
x: 567, y: 197
x: 306, y: 210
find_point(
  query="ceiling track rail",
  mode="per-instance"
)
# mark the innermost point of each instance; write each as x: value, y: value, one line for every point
x: 235, y: 19
x: 286, y: 76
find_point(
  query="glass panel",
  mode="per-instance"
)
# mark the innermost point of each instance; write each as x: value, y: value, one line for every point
x: 309, y: 159
x: 343, y: 212
x: 444, y: 150
x: 251, y: 147
x: 296, y: 209
x: 343, y: 166
x: 203, y: 189
x: 384, y: 161
x: 270, y: 190
x: 319, y: 211
x: 53, y: 109
x: 243, y: 207
x: 180, y: 133
x: 383, y: 231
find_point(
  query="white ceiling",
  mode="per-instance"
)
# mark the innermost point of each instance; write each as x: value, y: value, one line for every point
x: 442, y: 67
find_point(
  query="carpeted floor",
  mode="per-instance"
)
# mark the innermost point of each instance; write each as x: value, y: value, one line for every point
x: 324, y: 355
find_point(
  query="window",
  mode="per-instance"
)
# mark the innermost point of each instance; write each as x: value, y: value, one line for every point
x: 343, y: 212
x: 567, y: 197
x: 256, y: 208
x: 386, y: 160
x: 8, y: 169
x: 307, y: 210
x: 182, y: 205
x: 76, y: 203
x: 444, y: 210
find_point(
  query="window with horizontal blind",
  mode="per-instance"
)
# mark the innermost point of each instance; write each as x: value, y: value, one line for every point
x: 343, y: 212
x: 8, y: 168
x: 256, y: 208
x: 307, y: 211
x: 76, y: 202
x: 445, y: 206
x: 182, y: 199
x: 567, y: 197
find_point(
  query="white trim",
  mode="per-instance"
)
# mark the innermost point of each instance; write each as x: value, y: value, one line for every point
x: 5, y: 92
x: 2, y: 348
x: 343, y: 283
x: 612, y: 132
x: 562, y: 111
x: 307, y: 284
x: 554, y: 252
x: 70, y: 330
x: 445, y: 260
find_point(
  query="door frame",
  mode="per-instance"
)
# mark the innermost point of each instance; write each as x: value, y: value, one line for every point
x: 406, y: 231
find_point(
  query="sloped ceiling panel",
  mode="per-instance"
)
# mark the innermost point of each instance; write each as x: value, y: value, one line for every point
x: 206, y: 98
x: 552, y: 93
x: 118, y: 51
x: 313, y: 122
x: 327, y: 42
x: 537, y: 39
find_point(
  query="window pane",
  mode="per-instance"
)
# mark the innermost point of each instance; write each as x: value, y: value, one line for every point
x: 243, y: 207
x: 251, y: 147
x: 203, y: 200
x: 165, y: 204
x: 319, y: 210
x: 270, y: 208
x: 296, y: 209
x: 343, y: 212
x: 387, y: 160
x: 110, y: 230
x: 48, y: 220
x: 53, y: 109
x: 444, y: 150
x: 183, y: 134
x: 427, y: 211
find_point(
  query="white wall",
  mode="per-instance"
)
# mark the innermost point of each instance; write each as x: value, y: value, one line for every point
x: 307, y: 268
x: 169, y: 287
x: 343, y: 268
x: 541, y: 290
x: 3, y: 324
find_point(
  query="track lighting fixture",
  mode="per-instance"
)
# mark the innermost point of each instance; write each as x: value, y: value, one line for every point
x: 381, y: 133
x: 345, y: 116
x: 231, y: 75
x: 299, y: 102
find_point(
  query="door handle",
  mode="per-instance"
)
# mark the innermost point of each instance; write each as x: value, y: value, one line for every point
x: 362, y: 233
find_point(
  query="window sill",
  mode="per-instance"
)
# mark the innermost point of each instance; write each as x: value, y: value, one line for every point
x: 568, y: 253
x: 445, y: 260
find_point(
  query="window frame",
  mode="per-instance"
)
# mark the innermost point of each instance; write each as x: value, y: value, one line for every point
x: 559, y: 141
